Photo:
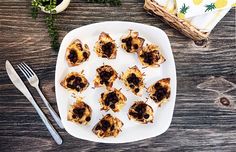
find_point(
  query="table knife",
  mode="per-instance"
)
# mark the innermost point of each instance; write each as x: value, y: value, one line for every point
x: 16, y: 80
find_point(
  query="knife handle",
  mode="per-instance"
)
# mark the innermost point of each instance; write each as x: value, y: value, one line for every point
x: 49, y: 126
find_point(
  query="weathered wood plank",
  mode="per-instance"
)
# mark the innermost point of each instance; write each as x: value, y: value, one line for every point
x: 200, y: 122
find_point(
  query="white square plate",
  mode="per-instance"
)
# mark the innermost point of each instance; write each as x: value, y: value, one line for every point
x: 131, y: 131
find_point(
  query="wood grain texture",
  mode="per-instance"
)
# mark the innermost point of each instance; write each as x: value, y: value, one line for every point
x: 205, y: 74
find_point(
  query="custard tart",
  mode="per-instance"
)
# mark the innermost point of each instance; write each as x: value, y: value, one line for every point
x: 112, y: 99
x: 131, y: 42
x: 106, y: 47
x: 160, y: 91
x: 108, y: 126
x: 75, y: 81
x: 150, y: 56
x: 141, y: 112
x: 106, y: 75
x: 79, y: 112
x: 133, y: 79
x: 77, y: 53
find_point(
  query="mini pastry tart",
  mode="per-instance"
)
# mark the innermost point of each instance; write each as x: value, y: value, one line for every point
x: 76, y: 53
x: 160, y: 91
x: 106, y: 75
x: 105, y: 47
x: 108, y: 126
x: 112, y: 99
x: 75, y: 81
x: 150, y: 56
x: 141, y: 112
x: 133, y: 79
x: 131, y: 42
x: 79, y: 112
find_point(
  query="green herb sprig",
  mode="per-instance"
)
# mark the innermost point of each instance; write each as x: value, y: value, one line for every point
x: 111, y: 2
x: 35, y: 8
x: 49, y: 5
x: 52, y: 31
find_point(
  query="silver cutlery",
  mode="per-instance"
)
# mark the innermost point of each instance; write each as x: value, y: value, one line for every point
x: 19, y: 84
x: 34, y: 82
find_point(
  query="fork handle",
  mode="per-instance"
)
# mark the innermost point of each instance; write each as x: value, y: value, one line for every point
x: 53, y: 113
x: 49, y: 126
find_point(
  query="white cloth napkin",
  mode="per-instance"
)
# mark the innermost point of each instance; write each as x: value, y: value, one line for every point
x: 170, y: 5
x: 208, y: 21
x: 202, y: 14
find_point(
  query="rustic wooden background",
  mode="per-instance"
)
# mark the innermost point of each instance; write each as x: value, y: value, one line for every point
x: 205, y: 111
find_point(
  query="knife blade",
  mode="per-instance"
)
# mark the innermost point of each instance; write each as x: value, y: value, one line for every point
x: 19, y: 84
x: 16, y: 80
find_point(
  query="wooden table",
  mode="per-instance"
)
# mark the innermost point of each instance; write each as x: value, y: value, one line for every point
x: 205, y: 111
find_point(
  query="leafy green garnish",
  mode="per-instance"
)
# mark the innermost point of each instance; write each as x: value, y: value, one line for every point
x: 52, y: 31
x: 49, y: 5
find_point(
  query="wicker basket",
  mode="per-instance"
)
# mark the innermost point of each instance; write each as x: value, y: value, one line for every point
x: 184, y: 27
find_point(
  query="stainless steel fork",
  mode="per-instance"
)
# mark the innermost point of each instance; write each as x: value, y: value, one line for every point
x: 34, y: 81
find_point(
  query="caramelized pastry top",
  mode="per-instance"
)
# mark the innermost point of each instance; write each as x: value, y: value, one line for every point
x: 150, y: 56
x: 108, y: 126
x: 112, y: 99
x: 160, y: 91
x: 141, y: 112
x: 75, y: 81
x: 133, y: 79
x: 105, y: 47
x: 106, y: 75
x: 76, y: 53
x: 131, y: 42
x: 79, y: 112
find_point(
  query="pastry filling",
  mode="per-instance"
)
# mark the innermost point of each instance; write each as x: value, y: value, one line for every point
x: 76, y: 83
x: 148, y: 57
x: 135, y: 46
x: 85, y: 55
x: 78, y: 112
x: 133, y: 81
x: 88, y: 119
x: 73, y: 57
x: 139, y: 112
x: 107, y: 49
x: 105, y: 76
x: 128, y: 43
x: 111, y: 99
x: 104, y: 126
x: 160, y: 93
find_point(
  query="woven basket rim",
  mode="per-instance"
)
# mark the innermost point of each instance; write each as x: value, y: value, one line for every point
x: 183, y: 26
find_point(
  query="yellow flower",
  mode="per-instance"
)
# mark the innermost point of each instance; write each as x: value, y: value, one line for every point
x: 220, y: 3
x: 197, y: 2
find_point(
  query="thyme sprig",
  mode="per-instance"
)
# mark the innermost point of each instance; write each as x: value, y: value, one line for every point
x: 49, y: 5
x: 52, y: 31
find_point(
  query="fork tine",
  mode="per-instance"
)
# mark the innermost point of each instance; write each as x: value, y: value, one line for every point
x: 22, y: 70
x: 29, y: 68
